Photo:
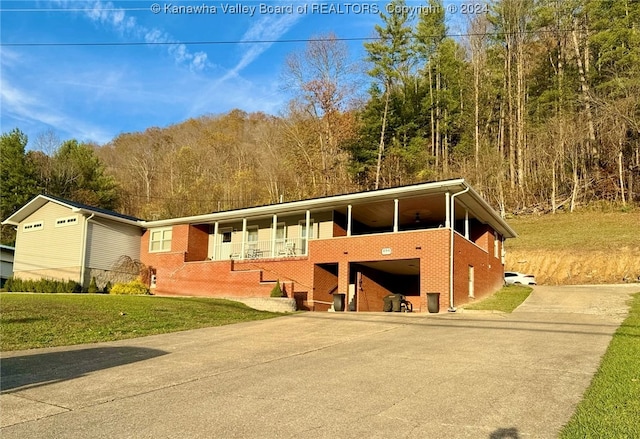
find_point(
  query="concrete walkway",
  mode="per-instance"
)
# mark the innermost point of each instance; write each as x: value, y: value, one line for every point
x: 326, y: 375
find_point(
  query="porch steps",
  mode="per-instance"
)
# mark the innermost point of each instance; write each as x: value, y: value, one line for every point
x: 267, y: 281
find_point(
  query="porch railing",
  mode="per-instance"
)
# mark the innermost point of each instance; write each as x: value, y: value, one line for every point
x: 286, y: 248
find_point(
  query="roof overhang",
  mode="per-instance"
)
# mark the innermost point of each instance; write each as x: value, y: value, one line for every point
x: 470, y: 199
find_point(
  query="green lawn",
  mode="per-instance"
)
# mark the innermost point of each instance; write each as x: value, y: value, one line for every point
x: 611, y: 404
x: 506, y: 300
x: 44, y: 320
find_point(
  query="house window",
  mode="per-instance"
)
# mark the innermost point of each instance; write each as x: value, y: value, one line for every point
x: 160, y: 240
x: 32, y: 227
x: 252, y: 234
x: 303, y: 233
x: 68, y: 221
x: 226, y: 235
x: 303, y: 229
x: 281, y: 232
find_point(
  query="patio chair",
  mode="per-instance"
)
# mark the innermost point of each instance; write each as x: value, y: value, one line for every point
x: 289, y: 249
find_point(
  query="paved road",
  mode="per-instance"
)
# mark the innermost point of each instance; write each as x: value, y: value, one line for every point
x: 326, y: 375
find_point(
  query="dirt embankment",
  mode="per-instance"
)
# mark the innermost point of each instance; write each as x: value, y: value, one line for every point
x: 570, y: 267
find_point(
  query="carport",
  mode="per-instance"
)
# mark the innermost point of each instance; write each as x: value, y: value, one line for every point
x: 371, y: 281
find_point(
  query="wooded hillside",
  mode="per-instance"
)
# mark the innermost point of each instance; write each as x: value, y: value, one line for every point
x: 536, y: 104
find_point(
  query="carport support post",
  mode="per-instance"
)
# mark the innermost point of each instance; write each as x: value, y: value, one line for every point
x: 466, y: 223
x: 447, y: 210
x: 216, y: 252
x: 453, y: 222
x: 274, y: 235
x: 244, y: 237
x: 307, y: 219
x: 395, y: 215
x: 349, y: 207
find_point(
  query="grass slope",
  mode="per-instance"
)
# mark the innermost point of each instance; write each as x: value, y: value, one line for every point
x: 505, y: 300
x: 611, y: 404
x: 45, y: 320
x: 582, y: 230
x: 584, y: 247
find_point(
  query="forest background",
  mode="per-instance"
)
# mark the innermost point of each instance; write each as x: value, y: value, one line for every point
x: 536, y: 104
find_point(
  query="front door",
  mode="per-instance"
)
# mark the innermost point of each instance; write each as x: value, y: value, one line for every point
x: 224, y: 249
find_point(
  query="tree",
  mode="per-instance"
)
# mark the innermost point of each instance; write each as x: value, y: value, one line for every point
x: 323, y: 80
x: 78, y: 175
x: 391, y: 56
x: 17, y: 178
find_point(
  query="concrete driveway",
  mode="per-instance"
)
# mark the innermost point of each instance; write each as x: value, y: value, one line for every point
x: 326, y: 375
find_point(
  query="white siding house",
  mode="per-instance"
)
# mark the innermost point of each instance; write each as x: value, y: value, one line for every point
x: 6, y: 263
x: 64, y: 240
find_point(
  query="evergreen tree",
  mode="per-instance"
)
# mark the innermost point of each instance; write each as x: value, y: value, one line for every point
x: 17, y: 178
x: 78, y: 175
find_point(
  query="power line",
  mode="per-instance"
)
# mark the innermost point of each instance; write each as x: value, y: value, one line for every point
x: 283, y: 41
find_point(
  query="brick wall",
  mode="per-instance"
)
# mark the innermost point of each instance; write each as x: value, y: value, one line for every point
x: 370, y: 297
x: 430, y: 246
x: 197, y: 243
x: 488, y: 270
x: 325, y: 284
x: 183, y: 270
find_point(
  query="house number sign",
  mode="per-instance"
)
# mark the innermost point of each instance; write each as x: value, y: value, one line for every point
x: 386, y: 251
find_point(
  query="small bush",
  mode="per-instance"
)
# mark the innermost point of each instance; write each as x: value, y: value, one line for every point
x: 41, y: 286
x: 277, y: 291
x: 93, y: 286
x: 107, y: 287
x: 132, y: 288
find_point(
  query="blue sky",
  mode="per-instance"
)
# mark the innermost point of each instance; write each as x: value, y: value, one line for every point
x: 94, y: 92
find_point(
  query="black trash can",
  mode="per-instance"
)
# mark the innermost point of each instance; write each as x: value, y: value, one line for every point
x: 396, y: 302
x: 387, y: 306
x: 338, y: 301
x: 433, y: 302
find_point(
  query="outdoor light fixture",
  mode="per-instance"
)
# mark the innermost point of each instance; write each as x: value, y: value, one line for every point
x: 417, y: 217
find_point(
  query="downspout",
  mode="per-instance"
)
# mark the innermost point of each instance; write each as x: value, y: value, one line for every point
x: 453, y: 226
x: 83, y: 257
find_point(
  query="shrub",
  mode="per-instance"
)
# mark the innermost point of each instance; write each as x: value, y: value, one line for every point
x: 133, y: 287
x: 107, y: 287
x: 41, y: 286
x: 93, y: 287
x: 277, y: 291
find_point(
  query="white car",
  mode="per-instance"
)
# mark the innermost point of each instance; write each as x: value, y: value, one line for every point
x: 513, y: 277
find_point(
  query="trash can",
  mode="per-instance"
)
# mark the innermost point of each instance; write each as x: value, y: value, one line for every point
x: 338, y: 301
x: 387, y: 306
x: 433, y: 302
x: 396, y: 302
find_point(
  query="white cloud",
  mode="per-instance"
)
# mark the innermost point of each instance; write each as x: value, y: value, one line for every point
x: 31, y: 109
x: 108, y: 15
x: 268, y: 28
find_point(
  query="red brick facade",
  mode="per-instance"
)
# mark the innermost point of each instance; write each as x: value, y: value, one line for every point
x: 333, y: 264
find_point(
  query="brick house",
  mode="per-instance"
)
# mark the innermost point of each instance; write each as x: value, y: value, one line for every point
x: 439, y: 237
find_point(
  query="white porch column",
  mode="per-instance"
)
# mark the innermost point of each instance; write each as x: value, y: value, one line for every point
x: 216, y: 245
x: 307, y: 219
x: 273, y: 235
x: 447, y: 208
x: 466, y: 223
x: 244, y: 237
x: 396, y: 214
x: 349, y: 207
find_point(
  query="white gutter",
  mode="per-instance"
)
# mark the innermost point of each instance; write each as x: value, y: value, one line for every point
x: 453, y: 226
x: 83, y: 258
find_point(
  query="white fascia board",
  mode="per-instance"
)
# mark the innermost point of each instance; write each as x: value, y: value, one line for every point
x: 28, y: 209
x: 293, y: 207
